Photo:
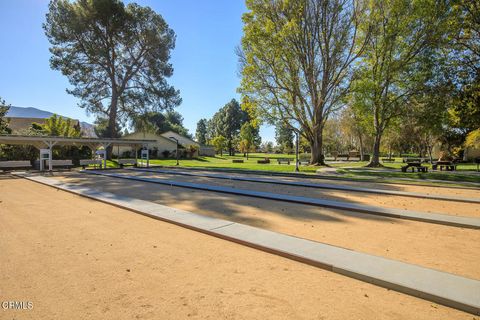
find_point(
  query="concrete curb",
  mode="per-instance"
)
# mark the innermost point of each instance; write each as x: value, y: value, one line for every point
x: 440, y: 287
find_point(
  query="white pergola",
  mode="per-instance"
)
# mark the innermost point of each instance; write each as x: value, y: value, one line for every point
x: 46, y: 143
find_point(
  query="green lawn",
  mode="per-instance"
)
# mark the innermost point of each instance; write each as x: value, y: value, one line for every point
x: 347, y: 170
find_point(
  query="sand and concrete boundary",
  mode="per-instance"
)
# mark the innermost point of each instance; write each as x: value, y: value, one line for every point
x: 314, y: 185
x: 436, y: 218
x: 440, y: 287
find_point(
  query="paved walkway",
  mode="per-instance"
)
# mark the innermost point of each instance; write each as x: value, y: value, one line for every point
x: 440, y: 287
x: 315, y: 185
x: 437, y: 218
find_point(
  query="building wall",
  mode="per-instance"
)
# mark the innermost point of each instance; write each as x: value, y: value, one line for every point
x: 207, y: 151
x: 161, y: 145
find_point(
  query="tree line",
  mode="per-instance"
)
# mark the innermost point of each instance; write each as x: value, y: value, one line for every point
x: 385, y: 67
x: 231, y: 129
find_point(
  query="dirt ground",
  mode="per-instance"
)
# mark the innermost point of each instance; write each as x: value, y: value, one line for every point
x: 389, y: 201
x: 76, y: 258
x: 445, y: 248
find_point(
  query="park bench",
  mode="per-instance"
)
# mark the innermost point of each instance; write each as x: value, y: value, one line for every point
x: 68, y: 164
x: 283, y: 160
x: 342, y: 157
x: 263, y: 161
x: 88, y: 162
x: 414, y: 165
x: 12, y: 165
x: 127, y: 162
x: 303, y: 162
x: 388, y: 159
x: 353, y: 156
x: 237, y: 160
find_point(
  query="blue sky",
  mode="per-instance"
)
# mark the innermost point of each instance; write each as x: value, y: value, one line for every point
x: 204, y: 60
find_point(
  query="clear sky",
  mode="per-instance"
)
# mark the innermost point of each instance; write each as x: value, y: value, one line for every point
x: 204, y: 59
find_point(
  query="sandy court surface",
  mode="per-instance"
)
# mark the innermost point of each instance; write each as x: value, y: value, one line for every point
x: 450, y: 249
x: 389, y: 201
x: 470, y: 192
x: 76, y: 258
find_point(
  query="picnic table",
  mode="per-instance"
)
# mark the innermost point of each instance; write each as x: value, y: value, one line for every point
x: 448, y: 165
x: 415, y: 165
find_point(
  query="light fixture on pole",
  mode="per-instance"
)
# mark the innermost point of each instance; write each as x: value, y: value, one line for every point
x: 296, y: 152
x: 176, y: 151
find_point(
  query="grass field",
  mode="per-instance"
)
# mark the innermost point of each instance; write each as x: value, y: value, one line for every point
x: 352, y: 169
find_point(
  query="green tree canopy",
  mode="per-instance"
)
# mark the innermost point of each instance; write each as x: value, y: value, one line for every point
x: 3, y: 112
x: 201, y: 132
x: 296, y: 61
x: 158, y: 122
x: 283, y: 136
x: 219, y: 143
x: 58, y: 127
x: 227, y: 123
x: 391, y: 70
x: 116, y: 57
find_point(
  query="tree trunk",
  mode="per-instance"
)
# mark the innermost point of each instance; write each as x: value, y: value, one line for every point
x: 360, y: 141
x: 112, y: 121
x: 316, y: 145
x: 375, y: 161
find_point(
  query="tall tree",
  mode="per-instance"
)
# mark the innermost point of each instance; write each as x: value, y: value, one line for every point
x: 219, y: 143
x: 3, y: 112
x: 296, y: 61
x: 227, y: 123
x: 58, y: 126
x: 115, y: 56
x: 390, y: 73
x: 158, y: 122
x: 201, y: 132
x: 283, y: 136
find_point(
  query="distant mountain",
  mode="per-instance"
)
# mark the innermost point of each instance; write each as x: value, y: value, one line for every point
x: 21, y: 112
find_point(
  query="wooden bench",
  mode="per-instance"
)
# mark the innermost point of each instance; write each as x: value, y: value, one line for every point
x: 237, y: 160
x: 88, y: 162
x: 127, y: 162
x: 303, y: 162
x: 68, y: 164
x: 12, y: 165
x: 283, y: 160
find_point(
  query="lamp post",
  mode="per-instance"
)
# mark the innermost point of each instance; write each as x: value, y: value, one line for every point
x: 176, y: 151
x: 296, y: 152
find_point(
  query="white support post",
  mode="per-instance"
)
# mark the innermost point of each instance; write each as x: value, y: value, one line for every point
x: 48, y: 152
x: 105, y: 146
x: 146, y: 156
